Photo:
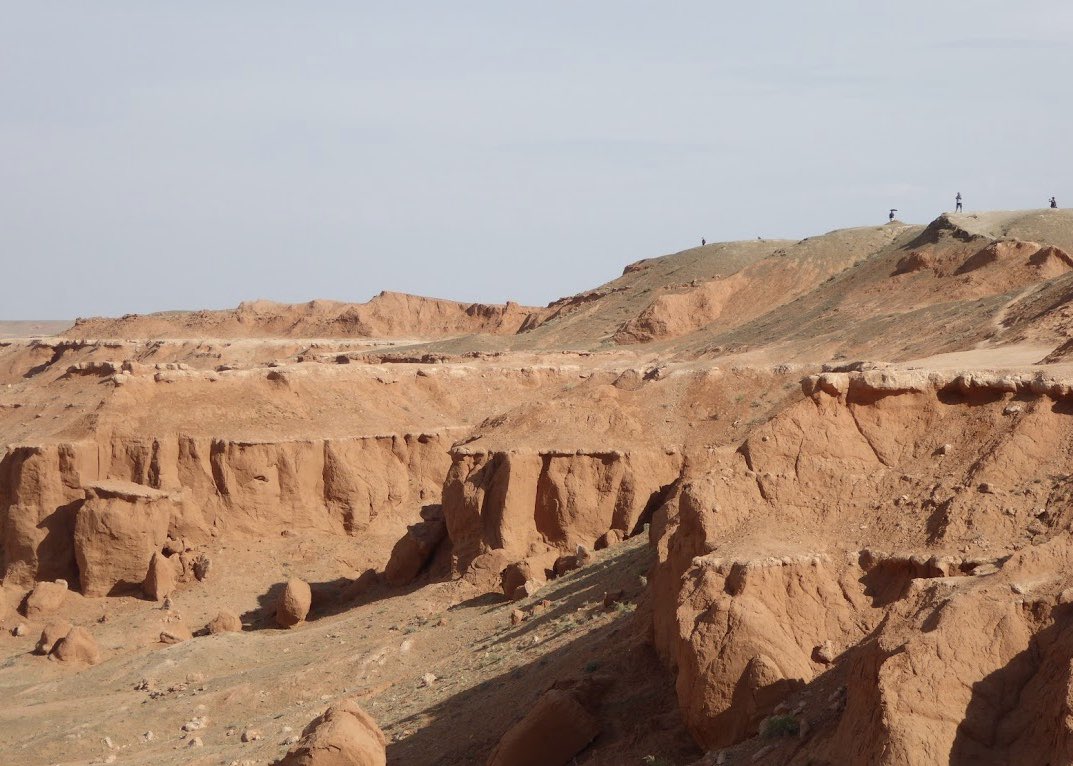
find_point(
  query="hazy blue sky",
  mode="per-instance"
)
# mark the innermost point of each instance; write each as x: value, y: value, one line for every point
x: 183, y: 155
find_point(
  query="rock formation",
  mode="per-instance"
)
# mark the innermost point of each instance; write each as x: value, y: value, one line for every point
x: 78, y: 647
x: 294, y: 602
x: 345, y: 735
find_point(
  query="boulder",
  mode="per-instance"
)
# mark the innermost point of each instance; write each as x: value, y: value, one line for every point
x: 160, y: 578
x: 565, y: 564
x: 609, y: 538
x: 525, y: 590
x: 345, y: 735
x: 175, y: 634
x: 53, y: 632
x: 224, y: 622
x: 45, y: 598
x: 77, y: 646
x: 414, y: 549
x: 515, y: 576
x: 485, y: 570
x: 551, y: 733
x: 117, y: 530
x: 294, y: 603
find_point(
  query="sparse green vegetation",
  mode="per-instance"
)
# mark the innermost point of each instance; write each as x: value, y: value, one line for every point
x: 779, y: 726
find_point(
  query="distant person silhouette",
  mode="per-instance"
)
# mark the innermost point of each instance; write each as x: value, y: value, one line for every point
x: 702, y: 242
x: 893, y: 210
x: 1054, y: 204
x: 957, y: 199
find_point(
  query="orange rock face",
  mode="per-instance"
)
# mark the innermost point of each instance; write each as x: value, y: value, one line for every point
x: 117, y: 531
x: 345, y: 735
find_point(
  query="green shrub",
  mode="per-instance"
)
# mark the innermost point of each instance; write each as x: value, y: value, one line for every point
x: 779, y: 726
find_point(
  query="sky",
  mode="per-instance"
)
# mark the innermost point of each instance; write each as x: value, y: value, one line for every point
x: 158, y: 156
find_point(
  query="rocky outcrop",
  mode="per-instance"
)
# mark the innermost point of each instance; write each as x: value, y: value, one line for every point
x: 159, y: 578
x: 208, y: 486
x: 78, y: 647
x: 559, y: 725
x: 118, y: 530
x: 40, y: 493
x: 529, y: 503
x: 345, y: 735
x: 753, y: 604
x: 415, y: 549
x: 46, y: 598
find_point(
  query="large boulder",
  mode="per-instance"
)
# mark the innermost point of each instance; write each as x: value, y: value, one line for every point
x: 77, y: 646
x: 294, y: 603
x: 345, y: 735
x: 53, y: 632
x: 224, y: 622
x: 552, y: 732
x: 45, y: 598
x: 117, y: 530
x: 160, y: 578
x: 414, y: 549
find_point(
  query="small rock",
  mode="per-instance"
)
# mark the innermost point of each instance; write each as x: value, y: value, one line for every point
x: 195, y: 724
x: 986, y: 489
x: 251, y: 735
x: 196, y: 742
x: 517, y: 617
x: 613, y: 597
x: 428, y: 679
x: 20, y: 630
x: 1012, y: 409
x: 824, y: 653
x: 946, y: 449
x: 202, y: 564
x: 175, y: 634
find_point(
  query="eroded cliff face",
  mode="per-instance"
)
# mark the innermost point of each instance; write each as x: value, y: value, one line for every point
x: 943, y: 643
x: 529, y: 503
x: 40, y: 493
x: 215, y: 486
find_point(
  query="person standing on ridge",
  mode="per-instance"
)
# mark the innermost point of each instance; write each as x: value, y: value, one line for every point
x: 702, y: 242
x: 1054, y: 204
x: 893, y: 210
x: 957, y: 201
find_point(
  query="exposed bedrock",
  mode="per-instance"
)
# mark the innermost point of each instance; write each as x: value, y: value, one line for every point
x: 953, y: 649
x: 529, y: 503
x: 213, y: 486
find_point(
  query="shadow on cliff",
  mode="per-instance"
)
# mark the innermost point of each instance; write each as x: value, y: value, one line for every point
x: 1019, y: 713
